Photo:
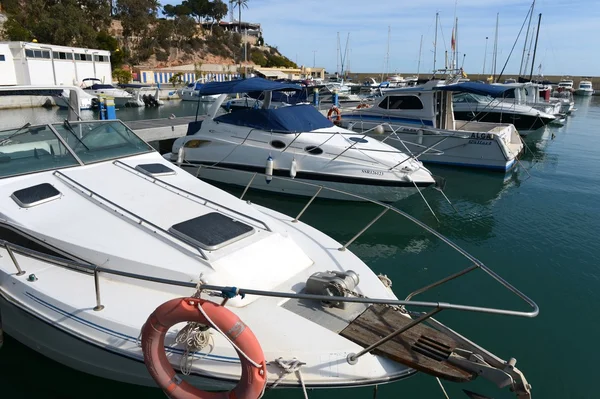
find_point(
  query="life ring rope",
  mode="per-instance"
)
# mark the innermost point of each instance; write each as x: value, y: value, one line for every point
x: 214, y: 325
x: 253, y: 380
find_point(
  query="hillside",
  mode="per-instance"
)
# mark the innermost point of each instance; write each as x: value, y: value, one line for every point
x: 142, y: 31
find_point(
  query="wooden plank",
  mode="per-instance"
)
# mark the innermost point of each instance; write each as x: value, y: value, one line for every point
x: 421, y: 347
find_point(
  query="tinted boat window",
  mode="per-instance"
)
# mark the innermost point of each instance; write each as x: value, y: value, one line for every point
x: 16, y: 238
x: 32, y: 149
x: 405, y: 102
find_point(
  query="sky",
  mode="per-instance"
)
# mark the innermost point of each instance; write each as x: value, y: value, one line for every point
x: 306, y: 31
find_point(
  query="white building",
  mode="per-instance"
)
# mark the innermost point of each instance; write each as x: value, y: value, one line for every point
x: 26, y: 63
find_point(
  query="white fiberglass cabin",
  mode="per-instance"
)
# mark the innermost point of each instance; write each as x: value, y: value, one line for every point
x: 585, y: 88
x: 421, y: 119
x: 98, y: 231
x: 296, y: 142
x: 191, y: 92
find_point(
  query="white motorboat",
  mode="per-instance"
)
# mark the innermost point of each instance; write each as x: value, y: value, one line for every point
x: 294, y: 141
x: 97, y: 88
x: 477, y: 103
x: 421, y: 119
x: 565, y: 84
x: 86, y: 101
x: 98, y: 231
x: 585, y: 88
x: 529, y: 94
x: 143, y: 95
x: 190, y: 92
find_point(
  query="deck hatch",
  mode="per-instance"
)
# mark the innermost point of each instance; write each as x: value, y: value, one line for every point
x: 155, y: 169
x: 211, y: 231
x: 35, y: 195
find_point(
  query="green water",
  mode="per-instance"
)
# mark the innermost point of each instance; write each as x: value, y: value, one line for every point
x: 540, y: 233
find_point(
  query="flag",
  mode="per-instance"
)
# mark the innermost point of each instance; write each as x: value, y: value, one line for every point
x: 453, y: 41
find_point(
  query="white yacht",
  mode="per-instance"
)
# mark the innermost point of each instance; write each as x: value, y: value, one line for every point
x: 101, y: 240
x: 529, y: 94
x: 294, y: 141
x: 585, y: 88
x: 565, y: 84
x: 190, y: 92
x: 421, y: 120
x: 477, y: 103
x: 97, y: 88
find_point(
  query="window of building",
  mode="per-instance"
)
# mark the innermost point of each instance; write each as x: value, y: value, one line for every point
x: 2, y: 58
x: 37, y: 53
x: 29, y: 53
x: 96, y: 57
x: 77, y: 57
x: 69, y: 56
x: 46, y: 54
x: 62, y: 56
x: 55, y: 55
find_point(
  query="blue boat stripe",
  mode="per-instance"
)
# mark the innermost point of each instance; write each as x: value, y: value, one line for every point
x: 129, y: 338
x: 386, y: 119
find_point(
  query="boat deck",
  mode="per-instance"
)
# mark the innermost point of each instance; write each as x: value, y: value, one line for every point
x: 421, y: 347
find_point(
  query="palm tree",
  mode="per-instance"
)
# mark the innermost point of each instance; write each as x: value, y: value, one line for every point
x: 239, y: 4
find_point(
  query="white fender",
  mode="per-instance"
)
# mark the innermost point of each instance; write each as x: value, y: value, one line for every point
x: 293, y: 168
x: 269, y: 169
x: 180, y: 155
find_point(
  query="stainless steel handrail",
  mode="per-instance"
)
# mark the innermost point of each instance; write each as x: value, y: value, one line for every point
x: 476, y: 262
x: 196, y: 196
x: 96, y: 270
x: 141, y: 220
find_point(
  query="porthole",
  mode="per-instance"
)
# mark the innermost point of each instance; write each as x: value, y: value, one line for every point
x: 313, y: 150
x: 359, y: 140
x: 278, y: 144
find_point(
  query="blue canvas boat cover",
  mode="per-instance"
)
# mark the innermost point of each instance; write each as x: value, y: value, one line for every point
x: 291, y: 119
x: 476, y: 88
x: 245, y: 86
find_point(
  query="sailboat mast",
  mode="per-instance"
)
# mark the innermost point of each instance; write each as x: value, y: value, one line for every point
x: 495, y: 59
x: 387, y: 54
x: 535, y: 47
x: 484, y: 55
x: 455, y: 56
x: 338, y: 55
x: 523, y: 68
x: 437, y: 15
x: 419, y: 64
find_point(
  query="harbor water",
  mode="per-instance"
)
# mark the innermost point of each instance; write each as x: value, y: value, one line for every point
x: 538, y: 227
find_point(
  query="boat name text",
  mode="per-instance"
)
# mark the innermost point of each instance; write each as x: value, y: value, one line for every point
x: 372, y: 172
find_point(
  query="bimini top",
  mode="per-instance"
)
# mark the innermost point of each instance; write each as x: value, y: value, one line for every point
x: 290, y: 119
x: 476, y: 88
x: 245, y: 86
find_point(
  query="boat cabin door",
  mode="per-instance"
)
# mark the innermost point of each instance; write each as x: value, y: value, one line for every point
x: 444, y: 111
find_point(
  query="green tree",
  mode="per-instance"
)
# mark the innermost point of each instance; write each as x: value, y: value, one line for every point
x: 122, y: 76
x: 176, y: 79
x: 137, y: 16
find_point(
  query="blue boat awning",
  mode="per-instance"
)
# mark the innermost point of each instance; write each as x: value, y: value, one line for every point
x: 476, y: 88
x: 245, y: 86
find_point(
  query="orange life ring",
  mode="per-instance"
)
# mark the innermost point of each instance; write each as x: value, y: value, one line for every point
x: 362, y: 105
x: 253, y: 380
x: 338, y: 114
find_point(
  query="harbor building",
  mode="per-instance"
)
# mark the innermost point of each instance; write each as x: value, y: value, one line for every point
x: 30, y: 63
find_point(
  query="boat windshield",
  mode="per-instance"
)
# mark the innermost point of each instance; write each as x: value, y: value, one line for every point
x: 32, y: 149
x: 97, y: 141
x: 39, y: 148
x: 585, y: 85
x: 471, y: 98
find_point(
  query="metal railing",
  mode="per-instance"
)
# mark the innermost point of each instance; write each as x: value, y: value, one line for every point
x: 141, y: 222
x: 435, y: 307
x: 187, y: 194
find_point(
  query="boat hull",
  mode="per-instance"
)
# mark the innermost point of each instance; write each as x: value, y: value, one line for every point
x: 53, y: 342
x: 392, y: 192
x: 584, y: 93
x: 522, y: 122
